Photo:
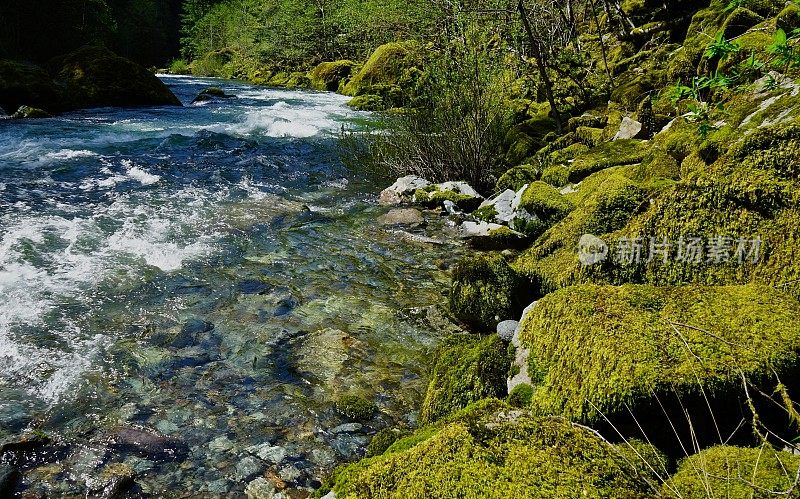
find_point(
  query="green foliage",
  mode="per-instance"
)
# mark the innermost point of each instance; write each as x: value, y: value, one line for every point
x: 485, y: 291
x: 179, y: 67
x: 486, y: 451
x: 356, y: 407
x: 721, y: 332
x: 520, y: 396
x: 466, y: 370
x: 726, y: 471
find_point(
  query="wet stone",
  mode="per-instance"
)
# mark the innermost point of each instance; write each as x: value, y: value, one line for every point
x: 349, y: 446
x: 248, y: 468
x: 347, y: 428
x: 271, y: 453
x: 9, y: 478
x: 253, y: 287
x: 285, y: 307
x: 150, y: 445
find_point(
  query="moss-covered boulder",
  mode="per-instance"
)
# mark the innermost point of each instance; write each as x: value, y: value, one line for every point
x: 739, y: 21
x: 491, y: 450
x: 789, y: 18
x: 96, y: 77
x: 636, y: 357
x: 515, y: 178
x: 556, y: 175
x: 466, y: 370
x: 27, y: 112
x: 367, y: 103
x: 459, y: 193
x: 329, y: 75
x: 727, y: 471
x: 604, y: 202
x: 545, y: 202
x: 486, y: 290
x: 394, y: 63
x: 607, y: 154
x: 27, y: 85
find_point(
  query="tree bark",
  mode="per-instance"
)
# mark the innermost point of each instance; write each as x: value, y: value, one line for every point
x: 541, y: 64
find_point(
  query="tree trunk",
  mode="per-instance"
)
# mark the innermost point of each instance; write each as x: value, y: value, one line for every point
x: 541, y: 64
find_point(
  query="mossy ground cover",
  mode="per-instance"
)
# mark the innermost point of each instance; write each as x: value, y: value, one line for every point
x: 491, y: 450
x: 600, y: 351
x: 727, y: 471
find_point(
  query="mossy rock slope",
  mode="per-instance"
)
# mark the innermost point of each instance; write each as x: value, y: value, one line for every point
x: 598, y: 352
x: 491, y: 450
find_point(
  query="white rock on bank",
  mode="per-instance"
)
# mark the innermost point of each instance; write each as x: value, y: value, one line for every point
x: 460, y: 187
x: 403, y: 186
x: 503, y: 206
x: 478, y: 229
x: 521, y: 355
x: 628, y: 129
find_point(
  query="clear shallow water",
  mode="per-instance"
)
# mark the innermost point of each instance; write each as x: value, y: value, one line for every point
x: 211, y: 274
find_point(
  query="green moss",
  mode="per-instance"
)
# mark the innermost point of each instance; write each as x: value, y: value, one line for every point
x: 432, y: 197
x: 298, y: 80
x: 789, y: 18
x: 367, y: 103
x: 658, y: 165
x: 328, y: 75
x: 739, y: 21
x: 466, y: 370
x: 355, y: 407
x: 488, y: 450
x: 615, y: 153
x: 520, y: 396
x: 487, y: 213
x: 568, y: 153
x: 388, y: 65
x: 383, y: 440
x: 515, y: 178
x: 587, y: 120
x: 556, y: 175
x: 589, y: 136
x: 485, y: 290
x: 726, y: 471
x: 724, y: 332
x: 545, y: 202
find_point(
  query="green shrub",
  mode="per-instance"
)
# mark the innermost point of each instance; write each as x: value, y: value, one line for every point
x: 520, y: 396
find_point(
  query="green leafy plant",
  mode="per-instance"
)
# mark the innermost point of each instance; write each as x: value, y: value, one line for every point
x: 721, y: 48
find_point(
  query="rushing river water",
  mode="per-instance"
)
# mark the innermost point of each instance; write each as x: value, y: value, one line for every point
x: 189, y: 290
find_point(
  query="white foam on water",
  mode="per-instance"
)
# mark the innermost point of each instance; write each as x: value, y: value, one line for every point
x: 139, y: 174
x: 67, y: 154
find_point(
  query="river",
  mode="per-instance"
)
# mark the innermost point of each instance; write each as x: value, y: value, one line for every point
x: 188, y: 291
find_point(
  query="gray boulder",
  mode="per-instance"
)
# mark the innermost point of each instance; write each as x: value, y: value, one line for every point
x: 628, y: 129
x: 402, y: 188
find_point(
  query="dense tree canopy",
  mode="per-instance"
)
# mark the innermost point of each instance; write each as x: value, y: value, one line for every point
x: 146, y: 31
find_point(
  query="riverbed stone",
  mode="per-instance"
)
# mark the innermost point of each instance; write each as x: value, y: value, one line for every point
x: 248, y: 468
x: 347, y: 428
x: 402, y: 216
x: 260, y: 488
x: 402, y: 188
x: 478, y: 229
x: 274, y: 454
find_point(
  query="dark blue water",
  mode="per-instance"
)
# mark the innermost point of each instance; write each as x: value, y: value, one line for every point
x: 212, y: 277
